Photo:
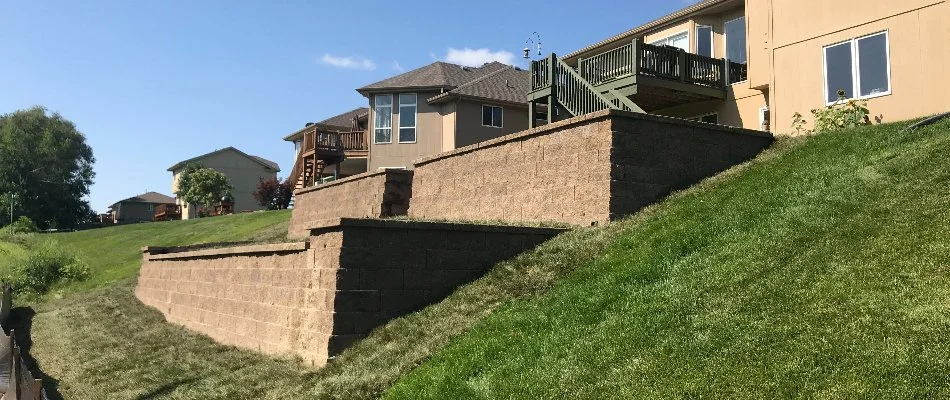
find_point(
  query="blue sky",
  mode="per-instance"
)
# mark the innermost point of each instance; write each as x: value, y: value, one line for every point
x: 154, y: 83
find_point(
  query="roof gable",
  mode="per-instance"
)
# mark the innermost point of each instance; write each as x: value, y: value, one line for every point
x: 260, y: 160
x: 436, y: 75
x: 148, y: 197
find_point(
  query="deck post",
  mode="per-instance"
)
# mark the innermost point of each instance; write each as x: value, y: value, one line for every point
x: 681, y: 60
x: 552, y: 94
x: 635, y: 57
x: 532, y: 120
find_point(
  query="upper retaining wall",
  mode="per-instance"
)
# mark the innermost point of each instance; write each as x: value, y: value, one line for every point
x: 584, y: 170
x: 372, y: 195
x: 314, y: 299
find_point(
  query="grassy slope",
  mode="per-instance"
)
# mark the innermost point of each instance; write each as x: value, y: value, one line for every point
x: 822, y: 273
x: 10, y: 253
x: 114, y: 253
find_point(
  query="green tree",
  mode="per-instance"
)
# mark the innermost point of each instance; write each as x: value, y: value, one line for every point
x: 46, y: 165
x: 202, y: 186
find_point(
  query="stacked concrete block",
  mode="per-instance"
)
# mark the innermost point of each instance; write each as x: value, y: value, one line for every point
x: 371, y: 195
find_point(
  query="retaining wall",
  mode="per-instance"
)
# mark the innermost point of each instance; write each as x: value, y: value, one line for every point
x: 584, y: 170
x: 370, y: 195
x: 315, y: 299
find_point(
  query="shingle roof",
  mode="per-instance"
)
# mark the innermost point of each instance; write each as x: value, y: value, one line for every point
x: 344, y: 120
x: 436, y: 75
x: 508, y: 84
x: 263, y: 161
x: 149, y: 197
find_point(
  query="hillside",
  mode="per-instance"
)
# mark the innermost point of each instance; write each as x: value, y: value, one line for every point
x: 821, y: 273
x: 816, y: 270
x: 114, y: 253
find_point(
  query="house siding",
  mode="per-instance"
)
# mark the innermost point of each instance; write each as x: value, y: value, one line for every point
x: 471, y: 131
x: 429, y: 135
x: 243, y: 173
x: 129, y: 213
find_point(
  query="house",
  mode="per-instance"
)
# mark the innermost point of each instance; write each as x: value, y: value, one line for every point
x: 440, y: 107
x: 244, y: 171
x: 754, y: 64
x: 338, y: 141
x: 134, y: 209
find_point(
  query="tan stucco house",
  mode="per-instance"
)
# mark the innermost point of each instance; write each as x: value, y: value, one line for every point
x: 440, y: 107
x: 754, y: 63
x: 139, y: 208
x: 243, y: 170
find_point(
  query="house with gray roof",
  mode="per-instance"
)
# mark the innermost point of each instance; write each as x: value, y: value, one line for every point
x: 440, y: 107
x: 244, y: 172
x: 139, y: 208
x: 349, y: 128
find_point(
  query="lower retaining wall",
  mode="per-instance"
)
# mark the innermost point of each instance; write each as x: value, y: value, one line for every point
x: 370, y: 195
x: 584, y: 170
x: 314, y: 299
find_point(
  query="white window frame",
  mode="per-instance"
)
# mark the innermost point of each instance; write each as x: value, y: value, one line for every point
x: 493, y: 116
x: 689, y: 39
x: 762, y: 111
x: 391, y: 111
x: 725, y: 47
x: 856, y: 67
x: 712, y: 40
x: 415, y: 126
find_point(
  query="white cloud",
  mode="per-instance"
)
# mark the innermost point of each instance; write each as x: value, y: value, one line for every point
x: 397, y: 67
x: 477, y: 57
x: 348, y: 62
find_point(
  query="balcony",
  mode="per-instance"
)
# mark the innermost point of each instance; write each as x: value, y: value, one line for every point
x: 322, y: 149
x: 635, y: 76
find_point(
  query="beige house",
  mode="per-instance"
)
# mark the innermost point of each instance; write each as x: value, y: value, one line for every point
x: 754, y: 63
x: 440, y: 107
x: 139, y: 208
x: 244, y: 171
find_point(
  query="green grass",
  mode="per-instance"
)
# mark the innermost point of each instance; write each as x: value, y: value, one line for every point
x: 819, y: 274
x: 817, y: 270
x: 10, y: 253
x: 114, y: 253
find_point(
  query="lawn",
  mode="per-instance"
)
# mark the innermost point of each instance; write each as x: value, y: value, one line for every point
x: 819, y: 274
x: 114, y: 253
x: 816, y: 270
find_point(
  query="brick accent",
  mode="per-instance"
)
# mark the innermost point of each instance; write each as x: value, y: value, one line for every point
x: 314, y: 299
x: 370, y: 195
x: 593, y: 168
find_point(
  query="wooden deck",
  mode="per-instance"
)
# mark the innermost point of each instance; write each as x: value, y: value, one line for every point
x: 635, y: 77
x: 322, y: 149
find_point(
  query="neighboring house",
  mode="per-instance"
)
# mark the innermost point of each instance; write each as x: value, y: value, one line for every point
x: 139, y: 208
x: 347, y: 130
x: 244, y: 171
x: 755, y: 63
x: 440, y: 107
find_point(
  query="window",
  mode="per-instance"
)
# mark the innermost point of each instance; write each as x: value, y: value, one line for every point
x: 736, y: 55
x: 492, y: 116
x: 407, y: 118
x: 764, y: 117
x: 151, y: 207
x: 708, y: 118
x: 704, y: 40
x: 859, y: 67
x: 383, y: 121
x: 679, y: 40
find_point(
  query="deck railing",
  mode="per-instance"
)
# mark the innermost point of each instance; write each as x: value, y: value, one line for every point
x: 637, y: 58
x: 604, y: 67
x: 540, y: 74
x: 738, y: 72
x: 355, y: 140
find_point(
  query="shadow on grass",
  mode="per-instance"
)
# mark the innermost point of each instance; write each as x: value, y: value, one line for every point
x: 21, y: 322
x: 165, y: 389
